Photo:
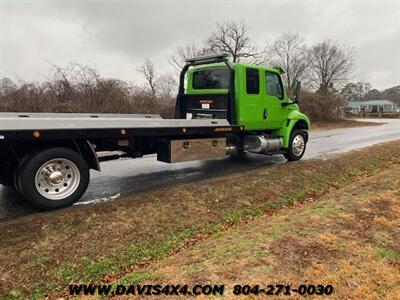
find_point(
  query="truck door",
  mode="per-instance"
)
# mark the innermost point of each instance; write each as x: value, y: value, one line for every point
x: 251, y: 103
x: 274, y: 113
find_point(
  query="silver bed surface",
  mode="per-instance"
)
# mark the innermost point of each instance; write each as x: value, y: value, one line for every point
x: 29, y: 121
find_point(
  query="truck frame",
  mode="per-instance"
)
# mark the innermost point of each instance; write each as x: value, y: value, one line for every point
x: 47, y: 157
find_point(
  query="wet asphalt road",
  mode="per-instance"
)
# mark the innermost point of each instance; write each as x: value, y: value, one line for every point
x: 127, y: 176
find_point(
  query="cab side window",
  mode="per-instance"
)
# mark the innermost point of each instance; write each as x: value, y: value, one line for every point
x: 252, y: 81
x: 274, y: 85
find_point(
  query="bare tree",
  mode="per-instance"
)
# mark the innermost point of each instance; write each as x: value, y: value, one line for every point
x: 166, y: 85
x: 348, y: 92
x: 61, y: 86
x: 354, y: 91
x: 331, y: 63
x: 233, y: 38
x: 178, y: 58
x: 148, y: 69
x: 7, y: 86
x: 362, y: 89
x: 289, y: 51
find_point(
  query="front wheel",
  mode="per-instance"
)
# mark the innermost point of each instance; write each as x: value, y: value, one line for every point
x: 297, y: 145
x: 53, y: 178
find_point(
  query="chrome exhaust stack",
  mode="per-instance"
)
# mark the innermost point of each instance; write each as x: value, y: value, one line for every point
x: 261, y: 143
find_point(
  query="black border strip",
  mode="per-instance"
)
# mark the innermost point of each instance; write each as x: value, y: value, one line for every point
x: 98, y: 133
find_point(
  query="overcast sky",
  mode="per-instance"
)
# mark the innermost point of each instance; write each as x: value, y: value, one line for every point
x: 116, y: 36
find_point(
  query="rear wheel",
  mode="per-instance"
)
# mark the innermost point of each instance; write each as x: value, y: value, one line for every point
x: 53, y: 178
x: 297, y: 145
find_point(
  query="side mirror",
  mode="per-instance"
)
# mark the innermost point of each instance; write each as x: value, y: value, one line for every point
x: 296, y: 95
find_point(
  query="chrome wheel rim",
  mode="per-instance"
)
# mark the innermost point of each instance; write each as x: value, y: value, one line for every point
x: 298, y: 145
x: 57, y: 179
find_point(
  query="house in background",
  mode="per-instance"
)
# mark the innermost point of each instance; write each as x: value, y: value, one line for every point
x: 372, y: 106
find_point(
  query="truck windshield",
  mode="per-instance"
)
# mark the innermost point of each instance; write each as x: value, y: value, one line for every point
x: 211, y: 79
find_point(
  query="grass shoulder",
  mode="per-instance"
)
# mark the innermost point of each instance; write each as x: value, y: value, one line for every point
x: 42, y: 253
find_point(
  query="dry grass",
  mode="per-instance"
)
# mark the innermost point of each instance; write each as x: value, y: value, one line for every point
x: 348, y: 239
x: 343, y: 123
x: 394, y: 115
x: 43, y: 252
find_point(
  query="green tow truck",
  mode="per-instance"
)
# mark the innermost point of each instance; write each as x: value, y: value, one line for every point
x: 222, y: 109
x: 252, y: 97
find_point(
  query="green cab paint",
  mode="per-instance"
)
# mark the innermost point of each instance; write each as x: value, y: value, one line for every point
x: 262, y: 103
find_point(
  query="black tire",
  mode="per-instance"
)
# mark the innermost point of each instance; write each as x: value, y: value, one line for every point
x: 17, y: 170
x: 29, y: 186
x: 293, y: 153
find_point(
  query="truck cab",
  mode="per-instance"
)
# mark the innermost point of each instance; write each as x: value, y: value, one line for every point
x: 250, y: 96
x: 261, y: 100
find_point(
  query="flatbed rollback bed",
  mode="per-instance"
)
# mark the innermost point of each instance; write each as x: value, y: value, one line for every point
x: 47, y: 157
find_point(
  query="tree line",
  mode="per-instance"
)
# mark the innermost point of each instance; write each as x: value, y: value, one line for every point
x: 80, y: 88
x: 324, y: 66
x: 363, y: 91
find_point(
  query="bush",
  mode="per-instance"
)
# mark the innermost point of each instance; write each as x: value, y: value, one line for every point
x: 321, y: 108
x: 80, y: 89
